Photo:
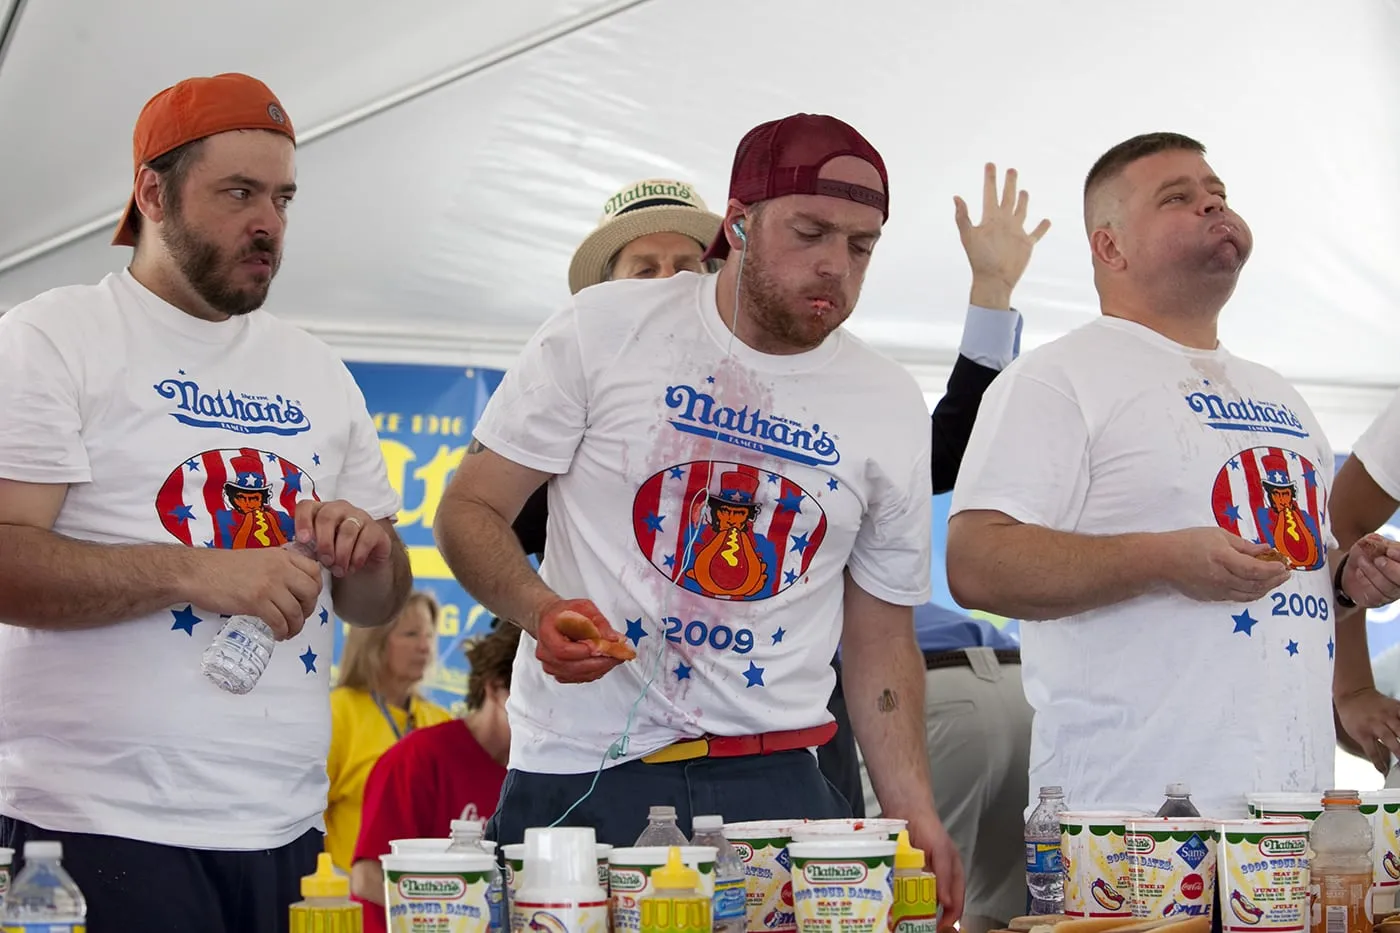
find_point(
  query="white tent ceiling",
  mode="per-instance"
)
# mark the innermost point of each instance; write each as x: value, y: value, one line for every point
x: 455, y: 151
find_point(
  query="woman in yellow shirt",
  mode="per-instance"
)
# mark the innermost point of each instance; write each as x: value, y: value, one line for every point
x: 375, y: 704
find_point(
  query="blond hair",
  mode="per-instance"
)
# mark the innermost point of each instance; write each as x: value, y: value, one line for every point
x: 362, y: 657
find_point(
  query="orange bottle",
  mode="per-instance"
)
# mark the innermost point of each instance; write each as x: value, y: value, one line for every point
x: 1341, y: 842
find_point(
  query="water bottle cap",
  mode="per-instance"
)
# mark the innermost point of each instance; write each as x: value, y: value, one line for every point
x: 662, y: 813
x: 1178, y: 790
x: 675, y: 875
x: 42, y: 849
x: 708, y: 824
x: 1054, y: 790
x: 468, y: 827
x: 326, y: 882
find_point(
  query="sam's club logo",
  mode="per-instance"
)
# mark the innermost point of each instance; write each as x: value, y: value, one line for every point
x: 1193, y: 851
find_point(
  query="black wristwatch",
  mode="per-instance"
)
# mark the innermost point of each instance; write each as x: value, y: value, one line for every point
x: 1343, y: 600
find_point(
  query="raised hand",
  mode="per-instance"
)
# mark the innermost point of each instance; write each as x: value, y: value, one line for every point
x: 998, y: 248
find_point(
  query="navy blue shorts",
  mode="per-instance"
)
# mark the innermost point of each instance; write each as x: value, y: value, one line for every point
x: 781, y: 786
x: 132, y: 885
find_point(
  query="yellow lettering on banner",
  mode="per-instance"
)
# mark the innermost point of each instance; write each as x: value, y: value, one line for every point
x: 439, y: 424
x: 388, y: 422
x: 427, y: 564
x: 450, y: 620
x: 431, y: 477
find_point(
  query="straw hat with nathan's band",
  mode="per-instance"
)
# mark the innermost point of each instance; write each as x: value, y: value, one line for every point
x: 657, y: 205
x: 194, y: 109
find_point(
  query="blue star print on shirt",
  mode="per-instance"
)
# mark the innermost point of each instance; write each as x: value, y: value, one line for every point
x: 754, y: 676
x: 309, y: 659
x: 185, y: 620
x: 1292, y: 649
x: 777, y: 637
x: 635, y: 632
x: 682, y: 672
x: 1244, y: 622
x: 325, y: 616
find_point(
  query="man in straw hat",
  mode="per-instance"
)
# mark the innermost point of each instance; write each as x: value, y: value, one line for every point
x: 738, y: 484
x: 160, y: 438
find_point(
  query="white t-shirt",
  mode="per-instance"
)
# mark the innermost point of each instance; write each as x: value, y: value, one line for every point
x: 782, y: 471
x: 171, y: 429
x: 1115, y: 429
x: 1378, y: 448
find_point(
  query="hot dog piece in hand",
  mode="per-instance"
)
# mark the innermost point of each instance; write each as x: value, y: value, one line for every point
x: 575, y: 643
x: 578, y: 627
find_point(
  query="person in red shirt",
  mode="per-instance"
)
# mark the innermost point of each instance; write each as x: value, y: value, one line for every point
x: 451, y: 771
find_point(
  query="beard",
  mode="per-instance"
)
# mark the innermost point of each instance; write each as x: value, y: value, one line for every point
x: 770, y: 307
x: 209, y: 271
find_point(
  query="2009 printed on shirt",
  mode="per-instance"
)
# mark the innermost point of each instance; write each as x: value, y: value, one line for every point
x: 1296, y: 604
x: 698, y: 634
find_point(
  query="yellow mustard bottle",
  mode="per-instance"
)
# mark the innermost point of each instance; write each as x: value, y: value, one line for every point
x: 327, y: 907
x: 675, y: 904
x: 915, y: 891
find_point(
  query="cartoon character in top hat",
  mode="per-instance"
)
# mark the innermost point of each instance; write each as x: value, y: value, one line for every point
x: 1285, y: 525
x: 727, y: 562
x: 251, y: 521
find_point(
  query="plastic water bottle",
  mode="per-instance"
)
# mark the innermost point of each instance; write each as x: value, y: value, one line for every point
x: 1341, y: 841
x: 662, y: 829
x: 240, y: 652
x: 1045, y: 876
x: 1178, y: 805
x: 728, y: 913
x: 43, y: 896
x: 467, y: 837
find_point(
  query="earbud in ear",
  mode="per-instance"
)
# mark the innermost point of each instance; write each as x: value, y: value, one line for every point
x: 738, y: 228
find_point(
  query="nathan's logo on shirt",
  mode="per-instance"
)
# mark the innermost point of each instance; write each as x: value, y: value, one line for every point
x: 726, y: 530
x: 698, y: 413
x: 1246, y: 414
x: 235, y: 499
x: 232, y: 411
x: 1274, y: 496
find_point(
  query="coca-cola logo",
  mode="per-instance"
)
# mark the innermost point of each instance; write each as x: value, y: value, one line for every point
x: 786, y: 894
x: 1192, y: 887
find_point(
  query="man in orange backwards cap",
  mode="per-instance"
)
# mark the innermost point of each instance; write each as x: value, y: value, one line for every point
x: 160, y: 441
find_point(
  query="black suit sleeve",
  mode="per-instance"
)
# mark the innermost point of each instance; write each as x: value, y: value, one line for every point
x: 953, y: 418
x: 530, y: 523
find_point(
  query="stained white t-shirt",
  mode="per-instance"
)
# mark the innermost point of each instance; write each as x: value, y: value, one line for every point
x: 708, y: 499
x: 173, y: 430
x: 1114, y: 429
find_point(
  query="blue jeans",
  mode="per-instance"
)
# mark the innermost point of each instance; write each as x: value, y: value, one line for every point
x: 781, y: 786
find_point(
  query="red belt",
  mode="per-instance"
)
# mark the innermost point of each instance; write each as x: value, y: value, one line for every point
x: 737, y: 746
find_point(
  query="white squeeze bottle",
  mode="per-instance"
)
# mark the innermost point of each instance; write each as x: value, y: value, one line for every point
x: 662, y: 829
x: 43, y: 896
x: 730, y: 901
x: 467, y: 837
x: 240, y: 652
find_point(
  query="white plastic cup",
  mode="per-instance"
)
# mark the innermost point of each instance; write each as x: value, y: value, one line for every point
x: 423, y: 888
x: 629, y: 879
x: 762, y: 847
x: 429, y: 846
x: 1094, y: 855
x: 827, y: 829
x: 843, y: 885
x: 1383, y: 809
x: 1271, y: 805
x: 1171, y: 866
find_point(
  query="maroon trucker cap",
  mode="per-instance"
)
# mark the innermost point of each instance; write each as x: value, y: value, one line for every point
x: 784, y: 156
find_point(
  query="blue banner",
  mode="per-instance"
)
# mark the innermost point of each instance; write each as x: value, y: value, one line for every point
x: 425, y: 416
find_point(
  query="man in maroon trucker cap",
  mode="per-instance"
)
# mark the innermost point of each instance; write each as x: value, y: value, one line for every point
x: 161, y: 441
x: 736, y: 484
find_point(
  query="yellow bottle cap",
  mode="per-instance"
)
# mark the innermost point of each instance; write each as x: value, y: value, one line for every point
x: 905, y: 855
x: 675, y: 875
x: 327, y: 882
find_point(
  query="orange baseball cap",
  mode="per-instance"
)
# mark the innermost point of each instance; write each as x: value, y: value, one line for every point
x: 193, y: 109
